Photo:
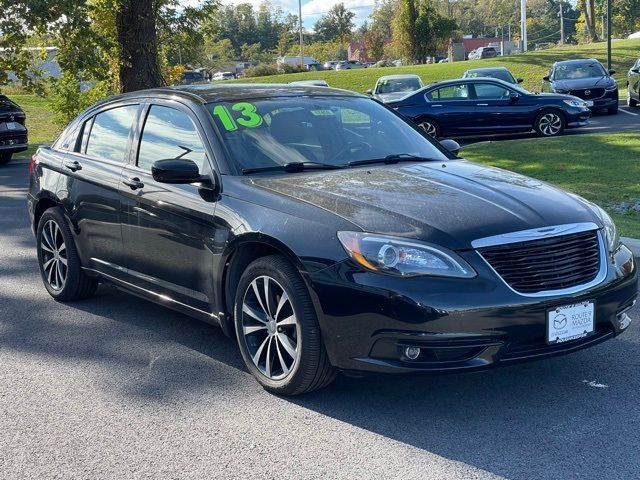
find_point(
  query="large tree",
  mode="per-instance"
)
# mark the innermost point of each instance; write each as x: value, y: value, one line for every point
x: 337, y: 24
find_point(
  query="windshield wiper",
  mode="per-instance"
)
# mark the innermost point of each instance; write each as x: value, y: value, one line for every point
x: 389, y: 159
x: 292, y: 167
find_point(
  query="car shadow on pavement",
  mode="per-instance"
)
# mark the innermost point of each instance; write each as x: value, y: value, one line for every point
x: 567, y: 417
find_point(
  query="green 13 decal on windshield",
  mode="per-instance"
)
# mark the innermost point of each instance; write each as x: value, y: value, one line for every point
x: 242, y: 113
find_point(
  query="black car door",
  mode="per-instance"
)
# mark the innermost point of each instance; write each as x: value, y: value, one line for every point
x: 168, y: 228
x: 454, y: 109
x: 90, y: 192
x: 499, y: 108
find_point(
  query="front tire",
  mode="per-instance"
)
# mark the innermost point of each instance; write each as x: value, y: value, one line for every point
x: 549, y: 123
x: 58, y: 259
x: 277, y: 329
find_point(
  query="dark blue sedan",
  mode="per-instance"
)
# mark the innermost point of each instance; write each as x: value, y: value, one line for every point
x: 481, y: 106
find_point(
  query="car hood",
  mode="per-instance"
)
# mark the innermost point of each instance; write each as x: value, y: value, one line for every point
x: 390, y: 97
x: 450, y: 203
x: 579, y: 83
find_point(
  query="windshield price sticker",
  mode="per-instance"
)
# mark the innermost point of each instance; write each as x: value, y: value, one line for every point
x: 242, y: 114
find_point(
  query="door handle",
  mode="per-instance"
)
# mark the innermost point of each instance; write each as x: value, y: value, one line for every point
x: 73, y: 166
x: 482, y: 104
x: 133, y: 182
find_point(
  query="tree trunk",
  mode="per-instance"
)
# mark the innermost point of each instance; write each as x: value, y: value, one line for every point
x: 590, y: 19
x: 137, y: 38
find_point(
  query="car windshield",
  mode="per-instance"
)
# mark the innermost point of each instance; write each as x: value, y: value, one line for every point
x: 399, y: 85
x: 578, y: 70
x: 504, y: 75
x: 267, y: 133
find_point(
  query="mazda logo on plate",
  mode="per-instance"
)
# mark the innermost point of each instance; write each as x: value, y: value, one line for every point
x: 587, y: 92
x: 560, y: 321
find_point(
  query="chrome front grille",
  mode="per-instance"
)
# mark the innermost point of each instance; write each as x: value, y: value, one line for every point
x: 547, y: 264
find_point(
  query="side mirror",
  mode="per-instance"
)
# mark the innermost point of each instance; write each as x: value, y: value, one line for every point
x: 546, y: 78
x: 611, y: 71
x: 513, y: 96
x: 369, y: 92
x: 176, y: 170
x: 635, y: 70
x: 519, y: 80
x: 451, y: 145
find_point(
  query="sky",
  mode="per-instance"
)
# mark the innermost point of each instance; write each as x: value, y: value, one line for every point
x: 312, y: 10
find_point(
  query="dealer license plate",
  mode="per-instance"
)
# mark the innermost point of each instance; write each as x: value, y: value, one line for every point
x: 11, y: 125
x: 570, y: 322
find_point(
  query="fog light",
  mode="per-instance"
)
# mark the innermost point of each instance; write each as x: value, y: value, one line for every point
x: 412, y: 352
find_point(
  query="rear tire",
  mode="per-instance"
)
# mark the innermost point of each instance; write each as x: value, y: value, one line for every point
x: 58, y: 259
x: 549, y: 123
x: 277, y: 329
x: 5, y: 158
x: 430, y: 127
x: 631, y: 102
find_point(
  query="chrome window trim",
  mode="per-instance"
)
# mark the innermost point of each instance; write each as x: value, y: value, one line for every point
x: 548, y: 232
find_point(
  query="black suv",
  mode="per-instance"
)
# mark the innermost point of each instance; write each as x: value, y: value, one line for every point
x: 323, y: 231
x: 13, y: 133
x: 584, y: 78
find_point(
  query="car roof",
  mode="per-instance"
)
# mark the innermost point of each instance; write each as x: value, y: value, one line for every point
x: 487, y: 69
x: 209, y: 93
x: 575, y: 61
x: 456, y: 81
x: 398, y: 76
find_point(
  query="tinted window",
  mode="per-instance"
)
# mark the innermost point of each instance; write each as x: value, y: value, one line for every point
x: 489, y: 91
x: 450, y: 92
x: 169, y: 133
x: 334, y: 130
x: 110, y: 132
x: 578, y: 70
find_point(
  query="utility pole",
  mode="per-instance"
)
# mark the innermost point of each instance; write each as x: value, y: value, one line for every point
x: 523, y: 25
x: 301, y: 34
x: 561, y: 24
x: 609, y: 34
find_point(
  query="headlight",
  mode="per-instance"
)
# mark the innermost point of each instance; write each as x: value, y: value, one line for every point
x: 403, y: 258
x: 574, y: 102
x: 611, y: 235
x: 611, y: 88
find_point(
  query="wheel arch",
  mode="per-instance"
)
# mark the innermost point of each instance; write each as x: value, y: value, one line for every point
x: 43, y: 204
x: 239, y: 254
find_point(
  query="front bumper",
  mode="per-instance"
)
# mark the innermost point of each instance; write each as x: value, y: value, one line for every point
x: 367, y: 319
x: 578, y: 117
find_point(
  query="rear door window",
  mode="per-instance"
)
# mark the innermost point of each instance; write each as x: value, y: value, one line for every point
x: 450, y: 92
x: 109, y: 136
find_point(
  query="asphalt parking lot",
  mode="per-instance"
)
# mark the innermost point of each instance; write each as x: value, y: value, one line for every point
x: 116, y: 387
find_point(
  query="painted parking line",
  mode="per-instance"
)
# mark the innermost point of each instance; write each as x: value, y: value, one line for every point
x: 628, y: 112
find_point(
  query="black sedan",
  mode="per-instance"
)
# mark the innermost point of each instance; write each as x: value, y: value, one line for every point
x: 324, y: 232
x: 13, y: 133
x: 586, y: 79
x: 481, y: 106
x: 633, y: 85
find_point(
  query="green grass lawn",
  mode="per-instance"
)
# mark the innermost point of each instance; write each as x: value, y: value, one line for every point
x: 531, y: 66
x: 604, y: 168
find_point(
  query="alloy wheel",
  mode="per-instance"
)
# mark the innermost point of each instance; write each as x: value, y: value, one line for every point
x: 430, y: 128
x: 54, y: 255
x: 550, y: 124
x: 270, y: 328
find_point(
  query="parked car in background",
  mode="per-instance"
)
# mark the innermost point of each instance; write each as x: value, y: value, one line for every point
x: 223, y: 76
x: 501, y: 73
x: 316, y: 83
x: 295, y: 61
x: 633, y: 85
x: 480, y: 106
x: 586, y: 79
x: 393, y: 87
x: 191, y: 77
x: 483, y: 52
x: 349, y: 65
x: 323, y: 232
x: 13, y: 132
x: 331, y: 64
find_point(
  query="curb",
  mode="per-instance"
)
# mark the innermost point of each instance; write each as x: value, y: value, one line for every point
x: 632, y: 244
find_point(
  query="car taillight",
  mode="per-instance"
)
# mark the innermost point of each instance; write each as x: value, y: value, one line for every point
x: 33, y: 163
